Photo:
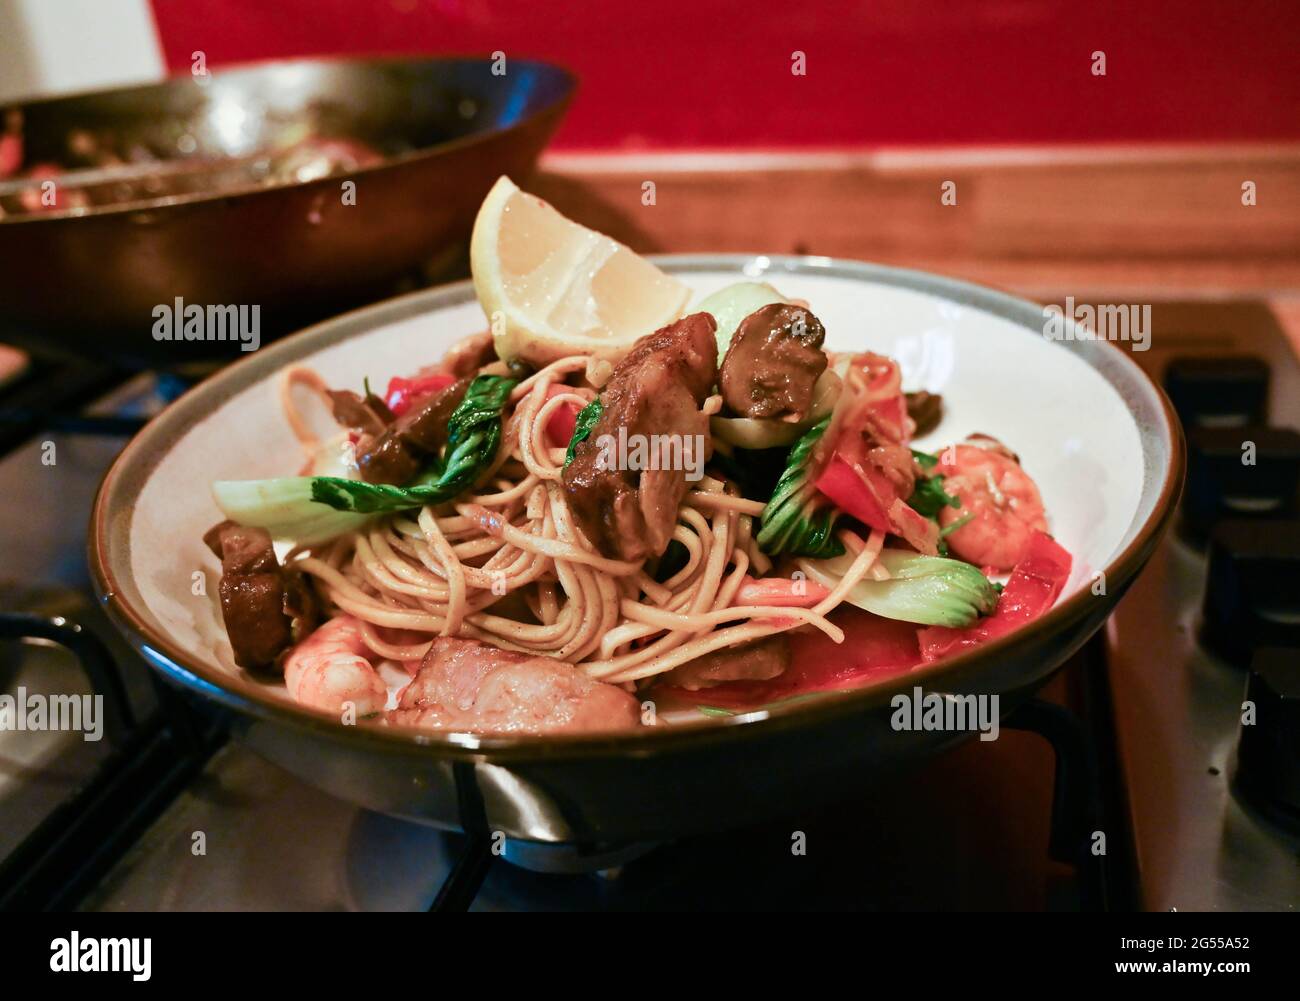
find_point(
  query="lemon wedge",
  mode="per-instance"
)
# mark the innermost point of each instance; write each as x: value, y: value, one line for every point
x: 552, y: 288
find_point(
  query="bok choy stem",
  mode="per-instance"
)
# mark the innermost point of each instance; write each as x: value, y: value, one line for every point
x: 930, y: 590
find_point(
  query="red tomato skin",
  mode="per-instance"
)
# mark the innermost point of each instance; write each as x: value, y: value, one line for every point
x: 875, y: 649
x: 564, y: 421
x: 843, y: 483
x: 402, y: 391
x: 1035, y: 584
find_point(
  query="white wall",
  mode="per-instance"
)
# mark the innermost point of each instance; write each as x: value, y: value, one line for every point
x: 62, y: 46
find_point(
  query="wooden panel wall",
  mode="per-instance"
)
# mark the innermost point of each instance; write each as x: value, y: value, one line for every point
x: 1040, y: 221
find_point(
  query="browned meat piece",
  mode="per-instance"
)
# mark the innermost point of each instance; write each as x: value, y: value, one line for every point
x: 470, y: 354
x: 773, y: 361
x: 265, y: 608
x: 407, y: 445
x: 467, y: 685
x: 656, y: 392
x: 688, y: 348
x: 925, y: 409
x: 369, y: 413
x: 757, y: 660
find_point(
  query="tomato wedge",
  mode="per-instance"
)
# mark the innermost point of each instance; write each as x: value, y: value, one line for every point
x: 875, y: 415
x: 863, y: 491
x: 1035, y: 583
x: 859, y: 491
x: 564, y: 421
x: 402, y: 391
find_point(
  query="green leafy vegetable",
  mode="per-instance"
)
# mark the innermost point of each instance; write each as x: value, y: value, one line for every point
x: 942, y: 544
x: 797, y: 519
x: 930, y: 590
x: 944, y: 532
x: 929, y: 497
x: 473, y: 436
x: 583, y: 423
x: 310, y: 509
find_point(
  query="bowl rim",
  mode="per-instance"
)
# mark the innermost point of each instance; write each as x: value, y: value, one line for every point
x: 567, y: 81
x: 141, y: 455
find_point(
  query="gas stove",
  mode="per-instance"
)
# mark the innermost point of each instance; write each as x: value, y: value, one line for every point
x: 1210, y: 634
x: 1136, y: 739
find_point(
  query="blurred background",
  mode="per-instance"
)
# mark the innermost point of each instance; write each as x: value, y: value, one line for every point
x: 830, y: 127
x: 707, y: 74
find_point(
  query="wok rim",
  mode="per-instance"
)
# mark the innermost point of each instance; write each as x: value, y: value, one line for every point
x: 567, y: 80
x: 142, y: 454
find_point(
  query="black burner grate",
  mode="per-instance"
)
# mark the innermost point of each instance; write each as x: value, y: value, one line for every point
x: 153, y: 758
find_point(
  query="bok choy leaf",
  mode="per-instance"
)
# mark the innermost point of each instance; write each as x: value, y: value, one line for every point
x: 284, y: 507
x: 309, y: 509
x: 586, y: 420
x: 797, y: 519
x: 929, y: 497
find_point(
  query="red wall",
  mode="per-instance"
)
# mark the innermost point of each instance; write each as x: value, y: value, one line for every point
x: 702, y: 73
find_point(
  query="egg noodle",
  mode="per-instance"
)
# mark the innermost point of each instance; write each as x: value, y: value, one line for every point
x: 444, y: 570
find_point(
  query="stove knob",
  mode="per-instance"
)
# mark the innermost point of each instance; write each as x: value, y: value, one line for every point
x: 1268, y: 751
x: 1231, y: 389
x: 1245, y: 472
x: 1251, y: 595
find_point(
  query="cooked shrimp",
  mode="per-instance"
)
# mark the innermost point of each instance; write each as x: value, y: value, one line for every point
x: 1003, y: 503
x: 330, y: 668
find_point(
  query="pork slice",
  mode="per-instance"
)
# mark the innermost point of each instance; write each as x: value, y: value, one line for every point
x: 654, y: 395
x: 688, y: 348
x: 757, y: 660
x: 467, y: 685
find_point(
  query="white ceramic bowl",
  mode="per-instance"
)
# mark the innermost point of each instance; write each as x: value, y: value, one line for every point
x: 1096, y: 435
